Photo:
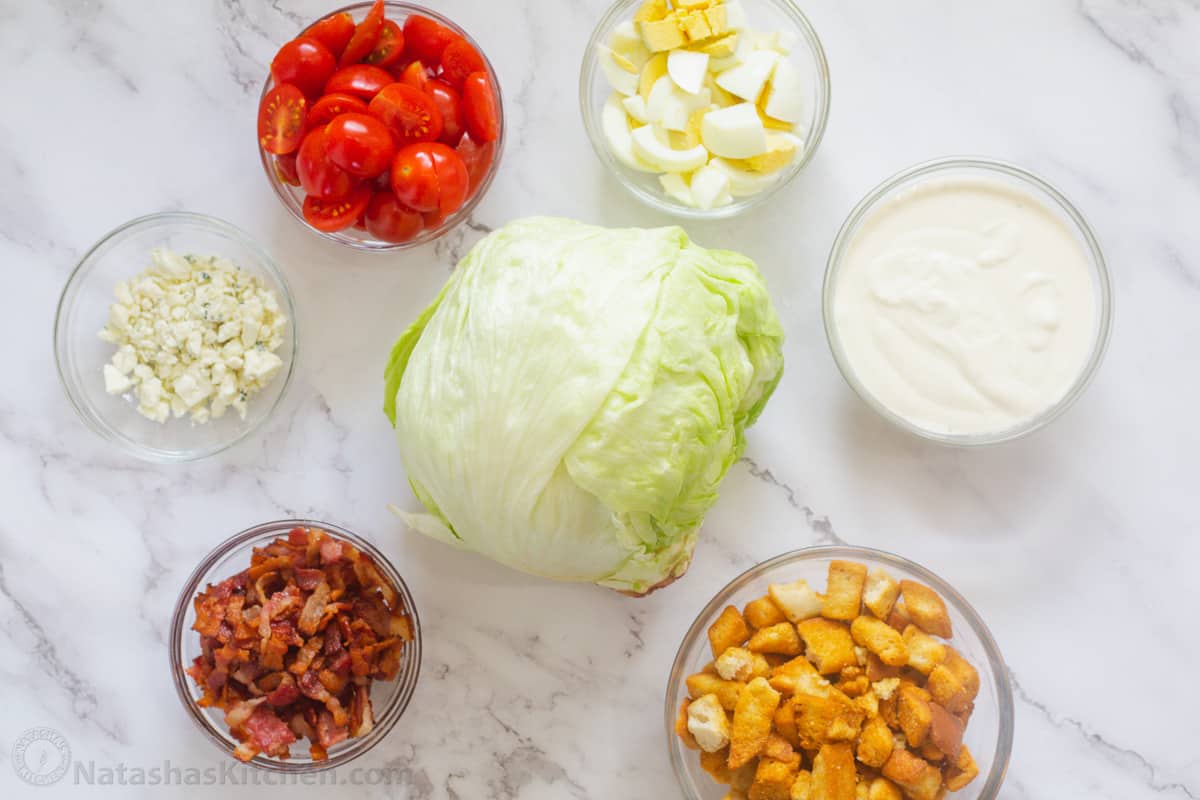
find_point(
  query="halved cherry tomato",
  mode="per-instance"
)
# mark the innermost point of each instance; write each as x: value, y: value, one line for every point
x: 480, y: 107
x: 459, y: 60
x: 415, y: 75
x: 430, y: 177
x: 362, y: 80
x: 331, y: 105
x: 386, y: 219
x: 390, y: 46
x: 285, y: 169
x: 449, y: 105
x: 334, y: 31
x: 410, y: 113
x: 320, y: 177
x: 426, y: 39
x: 366, y: 34
x: 305, y: 63
x: 281, y: 119
x: 359, y: 144
x: 478, y: 158
x: 336, y: 215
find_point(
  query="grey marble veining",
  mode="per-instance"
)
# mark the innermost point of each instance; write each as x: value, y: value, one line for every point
x: 1078, y: 545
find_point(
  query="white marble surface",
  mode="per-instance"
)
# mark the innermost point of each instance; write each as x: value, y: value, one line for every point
x: 1079, y: 545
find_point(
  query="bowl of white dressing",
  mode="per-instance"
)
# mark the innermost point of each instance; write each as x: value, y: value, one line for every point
x: 967, y: 301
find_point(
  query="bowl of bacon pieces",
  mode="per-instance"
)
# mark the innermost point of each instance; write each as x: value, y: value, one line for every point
x: 839, y: 673
x: 295, y: 646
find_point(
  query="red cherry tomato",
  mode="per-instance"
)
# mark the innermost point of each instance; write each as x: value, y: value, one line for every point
x: 449, y: 105
x: 331, y: 105
x: 415, y: 75
x: 336, y: 215
x: 334, y: 31
x: 281, y: 119
x: 359, y: 144
x: 459, y: 60
x: 426, y: 39
x: 386, y: 219
x: 390, y: 46
x: 362, y: 80
x: 430, y: 177
x: 305, y: 63
x: 478, y: 158
x: 285, y: 169
x: 480, y: 107
x: 320, y: 177
x: 366, y: 34
x: 410, y: 113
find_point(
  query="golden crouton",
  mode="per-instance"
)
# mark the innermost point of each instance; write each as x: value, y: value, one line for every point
x: 869, y: 703
x: 827, y: 718
x: 780, y: 749
x: 763, y: 613
x: 899, y: 618
x: 883, y: 789
x: 833, y: 774
x: 827, y: 644
x: 880, y: 592
x: 739, y: 664
x: 877, y: 670
x: 888, y: 708
x: 918, y: 779
x: 802, y: 786
x: 945, y: 731
x: 854, y: 687
x: 880, y: 639
x: 962, y: 771
x: 797, y: 599
x: 752, y: 721
x: 708, y: 724
x: 703, y: 683
x: 914, y: 714
x: 862, y: 789
x: 844, y: 590
x: 875, y: 743
x: 924, y: 651
x: 785, y: 723
x: 926, y: 608
x: 929, y: 752
x: 717, y: 766
x: 728, y: 631
x: 798, y: 675
x: 954, y: 683
x: 681, y: 726
x: 773, y: 779
x: 781, y: 639
x: 885, y: 687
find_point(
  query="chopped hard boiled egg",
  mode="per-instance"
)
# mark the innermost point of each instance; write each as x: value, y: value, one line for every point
x: 704, y: 100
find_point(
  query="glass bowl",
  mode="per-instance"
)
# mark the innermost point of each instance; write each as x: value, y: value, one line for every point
x: 83, y: 310
x: 292, y: 197
x: 989, y: 733
x: 763, y: 16
x: 1003, y: 174
x: 389, y: 699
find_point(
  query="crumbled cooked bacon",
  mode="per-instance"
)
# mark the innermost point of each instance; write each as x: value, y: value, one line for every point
x: 289, y: 646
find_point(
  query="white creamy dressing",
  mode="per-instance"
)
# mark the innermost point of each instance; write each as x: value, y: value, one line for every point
x: 965, y: 306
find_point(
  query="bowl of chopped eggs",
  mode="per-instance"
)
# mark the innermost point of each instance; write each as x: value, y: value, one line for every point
x: 175, y: 336
x: 839, y: 673
x: 704, y: 108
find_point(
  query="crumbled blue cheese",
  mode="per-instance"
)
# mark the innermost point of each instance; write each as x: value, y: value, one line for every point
x: 195, y: 335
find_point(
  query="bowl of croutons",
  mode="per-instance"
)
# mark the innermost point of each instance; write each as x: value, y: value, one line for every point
x: 839, y: 673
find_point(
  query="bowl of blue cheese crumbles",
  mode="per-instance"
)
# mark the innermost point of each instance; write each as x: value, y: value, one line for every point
x: 175, y: 336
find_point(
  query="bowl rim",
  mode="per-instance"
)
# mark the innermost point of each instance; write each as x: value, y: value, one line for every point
x: 591, y: 124
x: 406, y: 681
x: 1058, y: 202
x: 283, y: 191
x: 164, y: 219
x: 1005, y: 709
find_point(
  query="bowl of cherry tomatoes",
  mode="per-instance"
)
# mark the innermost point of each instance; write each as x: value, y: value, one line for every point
x: 381, y: 125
